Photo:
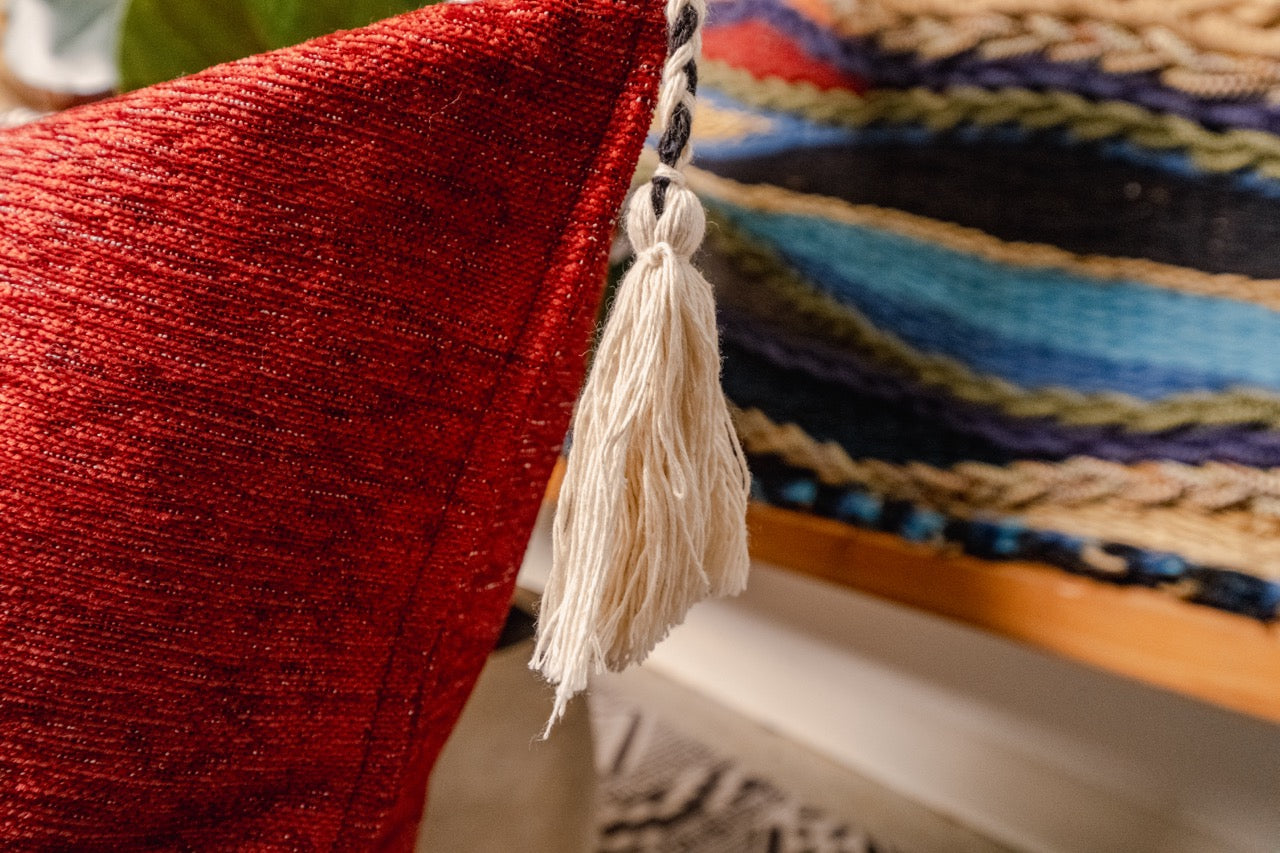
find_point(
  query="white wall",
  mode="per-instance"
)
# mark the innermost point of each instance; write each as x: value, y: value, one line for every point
x: 1036, y: 751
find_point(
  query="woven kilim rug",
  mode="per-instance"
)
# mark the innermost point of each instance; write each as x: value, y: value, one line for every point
x: 1007, y: 281
x: 664, y: 792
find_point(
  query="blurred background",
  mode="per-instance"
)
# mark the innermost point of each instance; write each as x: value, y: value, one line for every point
x: 807, y: 715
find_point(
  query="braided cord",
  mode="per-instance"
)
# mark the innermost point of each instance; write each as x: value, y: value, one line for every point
x: 1228, y: 560
x: 1211, y: 151
x: 1223, y: 515
x: 1117, y: 48
x: 1244, y: 28
x: 1209, y: 488
x: 677, y: 96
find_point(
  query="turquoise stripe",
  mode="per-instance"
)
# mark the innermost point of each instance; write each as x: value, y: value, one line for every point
x: 1120, y: 322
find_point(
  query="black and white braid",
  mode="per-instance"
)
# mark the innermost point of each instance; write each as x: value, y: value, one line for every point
x: 679, y: 88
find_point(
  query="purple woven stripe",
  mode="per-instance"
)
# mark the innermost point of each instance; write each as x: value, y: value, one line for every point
x: 896, y: 70
x: 1023, y: 436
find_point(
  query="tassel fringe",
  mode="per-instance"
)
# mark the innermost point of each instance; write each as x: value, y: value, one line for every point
x: 652, y: 511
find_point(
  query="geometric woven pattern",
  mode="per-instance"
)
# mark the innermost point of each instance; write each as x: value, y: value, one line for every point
x: 1008, y: 282
x: 661, y: 790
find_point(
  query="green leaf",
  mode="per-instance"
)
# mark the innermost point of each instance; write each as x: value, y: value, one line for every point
x: 163, y: 39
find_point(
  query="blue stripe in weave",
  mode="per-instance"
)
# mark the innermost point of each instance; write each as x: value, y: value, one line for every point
x: 1035, y: 327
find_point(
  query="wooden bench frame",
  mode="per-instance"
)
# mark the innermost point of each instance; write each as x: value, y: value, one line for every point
x: 1211, y: 655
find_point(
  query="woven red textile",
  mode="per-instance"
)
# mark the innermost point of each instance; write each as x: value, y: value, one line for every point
x: 766, y: 51
x: 288, y: 350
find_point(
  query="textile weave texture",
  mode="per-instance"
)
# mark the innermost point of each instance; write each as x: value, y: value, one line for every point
x: 289, y: 349
x: 663, y: 790
x: 1005, y: 277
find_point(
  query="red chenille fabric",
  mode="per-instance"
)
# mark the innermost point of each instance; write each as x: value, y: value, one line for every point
x: 288, y: 349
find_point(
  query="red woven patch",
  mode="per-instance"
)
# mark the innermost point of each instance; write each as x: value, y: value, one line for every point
x: 289, y: 348
x: 765, y: 51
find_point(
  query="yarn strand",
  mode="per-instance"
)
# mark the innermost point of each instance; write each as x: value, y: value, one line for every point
x: 651, y: 517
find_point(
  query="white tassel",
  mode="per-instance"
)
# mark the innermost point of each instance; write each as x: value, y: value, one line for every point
x: 652, y: 511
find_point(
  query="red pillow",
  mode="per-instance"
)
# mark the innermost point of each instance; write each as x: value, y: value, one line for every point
x: 289, y: 348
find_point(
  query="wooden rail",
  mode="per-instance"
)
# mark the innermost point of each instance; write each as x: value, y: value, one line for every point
x: 1217, y: 657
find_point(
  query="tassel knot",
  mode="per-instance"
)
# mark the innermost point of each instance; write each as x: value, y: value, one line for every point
x: 682, y: 223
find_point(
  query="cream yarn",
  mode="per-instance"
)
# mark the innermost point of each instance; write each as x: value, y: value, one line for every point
x: 652, y: 511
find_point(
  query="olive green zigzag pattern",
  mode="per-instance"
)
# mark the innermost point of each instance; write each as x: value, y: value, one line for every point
x: 768, y: 288
x: 1212, y: 151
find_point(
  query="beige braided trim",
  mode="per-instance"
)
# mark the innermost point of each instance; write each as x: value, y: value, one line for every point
x: 1211, y: 151
x: 787, y: 296
x: 1232, y: 27
x: 1198, y: 48
x: 1213, y: 487
x: 1232, y: 540
x: 771, y: 199
x: 1218, y: 514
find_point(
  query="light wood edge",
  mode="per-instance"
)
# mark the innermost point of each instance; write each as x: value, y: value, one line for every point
x: 1228, y: 660
x: 1217, y: 657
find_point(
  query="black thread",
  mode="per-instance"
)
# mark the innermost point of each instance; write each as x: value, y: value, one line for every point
x: 683, y: 29
x: 676, y: 136
x: 659, y: 196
